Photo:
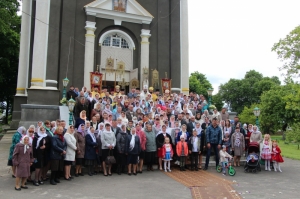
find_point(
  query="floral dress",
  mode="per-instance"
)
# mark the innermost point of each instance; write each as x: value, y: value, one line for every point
x: 266, y: 151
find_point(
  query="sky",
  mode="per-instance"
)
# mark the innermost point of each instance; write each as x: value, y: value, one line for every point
x: 227, y: 38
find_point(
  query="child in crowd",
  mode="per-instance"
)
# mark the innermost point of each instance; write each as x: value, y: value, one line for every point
x: 266, y: 152
x: 194, y: 150
x: 168, y: 154
x: 182, y: 151
x: 227, y: 142
x: 276, y: 157
x: 224, y: 158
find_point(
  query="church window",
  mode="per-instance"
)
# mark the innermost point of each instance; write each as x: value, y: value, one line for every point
x: 115, y: 41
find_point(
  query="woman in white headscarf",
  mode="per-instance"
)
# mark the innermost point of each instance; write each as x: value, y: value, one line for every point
x: 108, y: 140
x: 15, y: 140
x: 132, y: 149
x: 256, y: 135
x: 70, y: 152
x: 22, y: 159
x: 40, y: 142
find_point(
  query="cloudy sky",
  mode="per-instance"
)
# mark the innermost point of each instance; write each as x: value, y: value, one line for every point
x: 227, y: 38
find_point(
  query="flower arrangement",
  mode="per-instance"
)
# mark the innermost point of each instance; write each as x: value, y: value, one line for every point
x: 63, y: 101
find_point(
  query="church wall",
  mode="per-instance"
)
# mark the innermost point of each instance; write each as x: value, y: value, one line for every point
x: 175, y: 43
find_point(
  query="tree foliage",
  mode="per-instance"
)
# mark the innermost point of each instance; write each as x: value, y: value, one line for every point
x: 244, y: 92
x: 279, y: 107
x: 9, y: 51
x: 293, y: 134
x: 247, y: 115
x: 288, y: 51
x: 198, y: 83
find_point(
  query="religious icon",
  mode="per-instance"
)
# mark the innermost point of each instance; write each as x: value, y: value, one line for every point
x: 166, y: 85
x: 96, y: 80
x: 119, y: 5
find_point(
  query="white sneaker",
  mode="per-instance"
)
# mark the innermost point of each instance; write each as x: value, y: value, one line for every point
x: 169, y: 170
x: 165, y: 170
x: 279, y: 170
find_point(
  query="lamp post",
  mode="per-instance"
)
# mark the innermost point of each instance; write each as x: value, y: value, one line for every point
x: 71, y: 104
x: 256, y: 112
x: 209, y: 92
x: 65, y: 84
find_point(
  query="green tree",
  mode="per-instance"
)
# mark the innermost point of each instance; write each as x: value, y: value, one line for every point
x: 9, y: 51
x: 293, y: 134
x: 279, y: 107
x: 198, y: 83
x: 244, y: 92
x: 288, y: 51
x: 247, y: 115
x: 217, y: 101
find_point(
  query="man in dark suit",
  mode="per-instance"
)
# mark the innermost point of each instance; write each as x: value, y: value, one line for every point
x: 191, y: 125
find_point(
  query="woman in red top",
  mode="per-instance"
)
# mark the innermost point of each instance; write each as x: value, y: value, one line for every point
x: 142, y: 137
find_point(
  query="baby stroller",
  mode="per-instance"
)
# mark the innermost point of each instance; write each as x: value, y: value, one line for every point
x: 252, y: 161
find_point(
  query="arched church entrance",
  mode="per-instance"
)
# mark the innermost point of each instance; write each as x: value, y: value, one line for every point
x: 116, y: 59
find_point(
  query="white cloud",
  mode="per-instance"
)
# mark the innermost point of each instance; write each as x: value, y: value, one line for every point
x: 229, y: 38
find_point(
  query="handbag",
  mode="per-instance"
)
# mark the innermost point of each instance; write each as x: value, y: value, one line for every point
x: 110, y: 159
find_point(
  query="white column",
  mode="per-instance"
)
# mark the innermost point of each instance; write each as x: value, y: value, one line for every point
x: 184, y: 43
x: 40, y: 46
x: 145, y: 34
x: 22, y: 82
x: 89, y: 52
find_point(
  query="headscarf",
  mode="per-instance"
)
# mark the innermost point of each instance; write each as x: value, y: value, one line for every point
x: 21, y: 129
x: 79, y: 130
x: 26, y: 146
x: 27, y: 133
x: 41, y: 136
x: 99, y: 129
x: 91, y: 134
x: 80, y: 115
x: 132, y: 141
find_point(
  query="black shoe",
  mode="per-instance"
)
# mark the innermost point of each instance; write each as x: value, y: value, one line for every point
x: 68, y: 179
x: 57, y: 180
x: 14, y: 177
x: 192, y: 169
x: 71, y: 177
x: 76, y: 175
x: 52, y: 182
x: 41, y: 182
x: 129, y: 174
x: 196, y: 169
x: 18, y: 189
x: 183, y: 169
x: 36, y: 183
x: 134, y: 174
x: 24, y: 187
x: 110, y: 174
x: 81, y: 174
x: 90, y: 174
x: 205, y: 168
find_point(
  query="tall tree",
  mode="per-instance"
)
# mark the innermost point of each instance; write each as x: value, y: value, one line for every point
x: 198, y: 83
x: 9, y: 51
x: 288, y: 51
x: 244, y: 92
x: 280, y: 107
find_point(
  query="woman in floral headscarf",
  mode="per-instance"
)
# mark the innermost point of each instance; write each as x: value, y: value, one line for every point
x: 237, y: 145
x: 15, y: 140
x: 22, y: 159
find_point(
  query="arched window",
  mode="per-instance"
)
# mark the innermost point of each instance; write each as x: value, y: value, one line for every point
x: 117, y: 39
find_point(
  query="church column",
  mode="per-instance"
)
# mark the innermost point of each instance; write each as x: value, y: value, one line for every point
x: 22, y: 82
x: 40, y: 46
x: 184, y: 46
x: 145, y: 34
x: 89, y: 52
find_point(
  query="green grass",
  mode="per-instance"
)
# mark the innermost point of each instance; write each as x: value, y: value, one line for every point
x: 288, y: 150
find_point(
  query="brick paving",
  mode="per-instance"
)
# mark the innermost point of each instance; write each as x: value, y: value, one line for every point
x: 205, y: 185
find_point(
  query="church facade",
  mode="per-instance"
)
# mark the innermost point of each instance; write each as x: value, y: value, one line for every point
x: 147, y: 39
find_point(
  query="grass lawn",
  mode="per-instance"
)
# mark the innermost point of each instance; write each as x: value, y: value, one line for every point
x: 287, y: 150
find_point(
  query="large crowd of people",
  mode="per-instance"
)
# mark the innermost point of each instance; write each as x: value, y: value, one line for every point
x: 118, y: 133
